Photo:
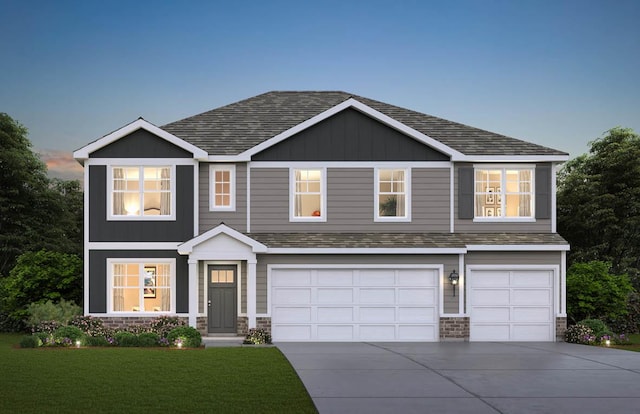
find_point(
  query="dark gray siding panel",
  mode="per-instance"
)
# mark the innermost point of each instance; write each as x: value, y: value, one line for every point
x: 234, y: 219
x: 543, y: 191
x: 350, y: 202
x: 350, y: 136
x: 141, y: 144
x: 101, y: 230
x: 98, y: 276
x: 465, y: 193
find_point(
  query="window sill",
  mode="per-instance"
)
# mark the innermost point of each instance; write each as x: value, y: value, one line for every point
x: 141, y: 218
x: 504, y: 220
x: 222, y: 209
x: 307, y: 219
x: 392, y: 219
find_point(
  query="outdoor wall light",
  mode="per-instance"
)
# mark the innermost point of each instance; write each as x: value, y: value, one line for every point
x: 453, y: 278
x: 78, y: 343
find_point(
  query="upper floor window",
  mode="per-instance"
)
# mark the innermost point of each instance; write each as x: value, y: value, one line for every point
x: 308, y: 195
x: 141, y: 286
x: 142, y: 192
x: 222, y: 190
x: 392, y: 194
x: 504, y: 192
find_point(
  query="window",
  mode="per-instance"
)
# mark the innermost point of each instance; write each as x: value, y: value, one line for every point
x: 307, y: 195
x: 392, y: 194
x: 142, y: 192
x: 141, y: 286
x: 222, y: 189
x: 504, y: 193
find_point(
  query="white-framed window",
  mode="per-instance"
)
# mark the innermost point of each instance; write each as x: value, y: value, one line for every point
x: 222, y: 189
x: 392, y: 194
x: 308, y: 194
x: 142, y: 193
x: 504, y: 193
x: 141, y: 285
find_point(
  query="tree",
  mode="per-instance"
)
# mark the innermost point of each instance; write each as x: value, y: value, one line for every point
x: 594, y: 293
x: 599, y: 203
x: 38, y: 277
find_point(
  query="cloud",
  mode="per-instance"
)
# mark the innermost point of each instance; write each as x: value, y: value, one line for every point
x: 60, y: 164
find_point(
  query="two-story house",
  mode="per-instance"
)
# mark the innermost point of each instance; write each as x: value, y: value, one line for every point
x: 325, y: 216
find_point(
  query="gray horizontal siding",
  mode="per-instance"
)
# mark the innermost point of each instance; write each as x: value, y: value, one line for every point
x: 450, y: 262
x: 513, y: 258
x: 468, y: 226
x: 234, y: 219
x: 350, y: 202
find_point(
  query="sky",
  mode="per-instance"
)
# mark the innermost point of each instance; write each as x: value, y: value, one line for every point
x: 557, y: 73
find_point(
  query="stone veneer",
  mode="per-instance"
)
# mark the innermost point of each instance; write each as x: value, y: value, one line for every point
x: 125, y: 321
x: 264, y: 323
x: 454, y: 328
x: 561, y: 328
x: 201, y: 325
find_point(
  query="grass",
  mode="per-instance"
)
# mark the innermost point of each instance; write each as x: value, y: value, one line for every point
x: 138, y: 380
x: 634, y: 343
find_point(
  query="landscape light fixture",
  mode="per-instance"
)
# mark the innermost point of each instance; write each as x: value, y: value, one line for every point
x: 453, y: 278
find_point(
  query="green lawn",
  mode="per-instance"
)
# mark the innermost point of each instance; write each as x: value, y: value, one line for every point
x: 138, y: 380
x: 634, y: 343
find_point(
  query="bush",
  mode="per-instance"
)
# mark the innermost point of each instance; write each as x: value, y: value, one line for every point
x: 90, y: 326
x: 598, y: 327
x: 257, y: 337
x: 148, y: 339
x: 579, y: 334
x: 60, y: 312
x: 124, y: 338
x: 71, y: 332
x: 164, y: 324
x: 188, y: 336
x: 47, y: 327
x: 629, y: 323
x: 97, y: 341
x: 30, y: 341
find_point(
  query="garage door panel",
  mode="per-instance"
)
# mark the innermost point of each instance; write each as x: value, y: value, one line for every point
x: 378, y: 332
x: 531, y: 314
x: 377, y: 314
x: 292, y: 277
x: 293, y: 296
x: 377, y: 277
x: 532, y: 279
x: 531, y: 297
x: 411, y: 277
x: 491, y: 278
x: 417, y: 296
x: 335, y: 332
x: 292, y: 332
x: 292, y: 314
x: 490, y: 297
x: 492, y: 332
x: 378, y: 296
x: 488, y: 314
x: 416, y: 332
x: 531, y: 332
x: 335, y: 314
x: 338, y: 296
x: 417, y: 314
x: 337, y: 277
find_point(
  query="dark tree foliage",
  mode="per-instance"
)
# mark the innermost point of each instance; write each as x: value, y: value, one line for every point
x: 35, y: 212
x: 599, y: 203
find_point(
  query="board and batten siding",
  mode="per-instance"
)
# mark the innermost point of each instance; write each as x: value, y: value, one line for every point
x: 467, y: 225
x: 449, y: 262
x: 350, y: 202
x: 234, y: 219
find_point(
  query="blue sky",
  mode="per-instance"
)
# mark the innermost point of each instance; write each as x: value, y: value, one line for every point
x: 558, y: 73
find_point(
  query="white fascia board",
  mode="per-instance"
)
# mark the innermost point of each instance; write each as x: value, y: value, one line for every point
x: 363, y: 250
x: 84, y: 152
x: 518, y: 247
x: 512, y: 158
x: 352, y: 103
x: 187, y: 247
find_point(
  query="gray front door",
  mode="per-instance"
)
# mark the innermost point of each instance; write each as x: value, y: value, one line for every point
x: 223, y: 307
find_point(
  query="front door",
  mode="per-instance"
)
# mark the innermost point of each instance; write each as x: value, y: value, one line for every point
x: 223, y: 307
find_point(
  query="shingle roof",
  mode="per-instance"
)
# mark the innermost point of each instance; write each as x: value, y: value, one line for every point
x: 235, y: 128
x: 401, y: 240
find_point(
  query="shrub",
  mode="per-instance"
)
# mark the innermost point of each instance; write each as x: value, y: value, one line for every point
x: 124, y: 338
x: 44, y: 337
x: 629, y: 323
x: 138, y: 329
x: 30, y: 341
x: 579, y: 334
x: 164, y: 324
x: 598, y: 327
x: 48, y: 327
x: 148, y: 339
x: 186, y: 335
x: 73, y: 333
x: 61, y: 312
x: 90, y: 326
x: 257, y: 337
x: 97, y: 341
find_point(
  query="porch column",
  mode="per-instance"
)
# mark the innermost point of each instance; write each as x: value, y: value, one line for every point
x: 251, y: 292
x: 193, y: 292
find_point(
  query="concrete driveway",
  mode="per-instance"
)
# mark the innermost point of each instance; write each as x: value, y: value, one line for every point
x: 463, y: 378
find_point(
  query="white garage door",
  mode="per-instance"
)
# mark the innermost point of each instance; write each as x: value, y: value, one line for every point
x: 511, y: 305
x: 349, y: 304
